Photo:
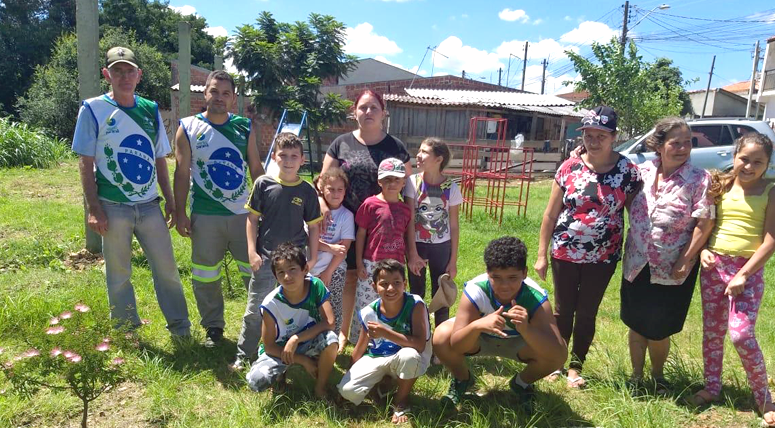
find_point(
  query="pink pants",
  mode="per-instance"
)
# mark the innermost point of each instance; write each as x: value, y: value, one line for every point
x: 738, y: 315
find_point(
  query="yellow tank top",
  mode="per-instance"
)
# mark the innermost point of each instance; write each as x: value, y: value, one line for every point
x: 739, y: 227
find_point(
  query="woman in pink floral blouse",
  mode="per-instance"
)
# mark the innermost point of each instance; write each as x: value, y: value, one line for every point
x: 584, y: 221
x: 670, y: 221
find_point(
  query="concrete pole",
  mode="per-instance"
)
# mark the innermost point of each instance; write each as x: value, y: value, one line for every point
x: 707, y: 90
x: 543, y: 78
x: 218, y: 62
x: 87, y: 29
x: 524, y: 67
x: 753, y: 83
x: 184, y: 68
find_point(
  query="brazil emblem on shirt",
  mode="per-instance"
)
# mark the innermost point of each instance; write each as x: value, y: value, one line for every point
x: 225, y: 168
x: 135, y: 159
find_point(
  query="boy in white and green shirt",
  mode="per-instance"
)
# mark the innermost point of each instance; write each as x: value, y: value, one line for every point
x: 298, y: 324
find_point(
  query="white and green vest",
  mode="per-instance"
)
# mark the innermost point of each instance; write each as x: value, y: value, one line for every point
x: 530, y: 296
x: 219, y: 179
x: 126, y: 149
x: 291, y: 319
x: 401, y: 323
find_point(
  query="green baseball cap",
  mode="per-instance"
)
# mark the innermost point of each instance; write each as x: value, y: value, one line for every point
x: 119, y: 54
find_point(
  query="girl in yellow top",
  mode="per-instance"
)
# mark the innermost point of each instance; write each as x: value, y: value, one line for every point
x: 732, y: 281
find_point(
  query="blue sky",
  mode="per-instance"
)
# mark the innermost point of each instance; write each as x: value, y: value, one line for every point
x: 480, y: 36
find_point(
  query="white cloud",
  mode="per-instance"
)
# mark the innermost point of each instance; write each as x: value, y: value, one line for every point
x: 533, y: 77
x: 513, y: 15
x: 462, y: 57
x: 362, y: 40
x: 588, y: 32
x: 381, y: 58
x: 546, y: 48
x: 184, y: 10
x: 568, y: 18
x: 465, y: 15
x: 217, y: 31
x: 538, y: 21
x: 434, y: 27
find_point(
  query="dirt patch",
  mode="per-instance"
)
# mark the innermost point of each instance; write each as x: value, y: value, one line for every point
x: 121, y: 407
x: 83, y: 260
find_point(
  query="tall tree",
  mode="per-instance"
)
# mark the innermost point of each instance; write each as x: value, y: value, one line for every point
x: 285, y: 65
x: 629, y: 85
x: 156, y: 24
x: 28, y: 29
x: 662, y: 71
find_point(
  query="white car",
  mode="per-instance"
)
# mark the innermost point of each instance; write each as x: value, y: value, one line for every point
x: 711, y: 142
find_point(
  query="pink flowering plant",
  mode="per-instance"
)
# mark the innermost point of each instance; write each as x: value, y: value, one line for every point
x: 76, y: 351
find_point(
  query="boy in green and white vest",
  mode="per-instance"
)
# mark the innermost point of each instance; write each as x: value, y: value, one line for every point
x: 395, y: 341
x: 121, y: 143
x: 506, y: 314
x: 298, y: 324
x: 214, y: 151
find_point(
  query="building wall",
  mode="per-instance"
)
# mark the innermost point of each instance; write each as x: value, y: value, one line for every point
x: 370, y: 70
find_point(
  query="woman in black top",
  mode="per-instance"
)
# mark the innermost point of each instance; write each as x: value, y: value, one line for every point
x: 359, y: 153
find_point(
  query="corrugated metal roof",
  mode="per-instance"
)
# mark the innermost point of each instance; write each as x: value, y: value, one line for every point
x: 194, y: 88
x: 544, y: 104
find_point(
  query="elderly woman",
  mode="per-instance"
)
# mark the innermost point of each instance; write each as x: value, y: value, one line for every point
x: 584, y: 221
x: 359, y: 153
x: 670, y: 220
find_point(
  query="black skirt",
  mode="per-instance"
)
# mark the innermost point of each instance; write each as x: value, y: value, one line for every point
x: 656, y: 311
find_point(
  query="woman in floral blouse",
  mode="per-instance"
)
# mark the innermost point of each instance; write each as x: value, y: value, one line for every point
x: 670, y: 220
x: 584, y: 221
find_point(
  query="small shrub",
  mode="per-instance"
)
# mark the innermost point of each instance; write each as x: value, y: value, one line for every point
x: 78, y: 351
x: 23, y: 145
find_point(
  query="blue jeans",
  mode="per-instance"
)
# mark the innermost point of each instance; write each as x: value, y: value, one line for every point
x: 146, y: 222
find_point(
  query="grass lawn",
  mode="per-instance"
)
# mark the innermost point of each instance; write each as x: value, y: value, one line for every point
x: 41, y: 225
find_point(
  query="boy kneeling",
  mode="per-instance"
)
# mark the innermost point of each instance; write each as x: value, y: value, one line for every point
x: 504, y: 313
x: 298, y: 324
x: 395, y: 340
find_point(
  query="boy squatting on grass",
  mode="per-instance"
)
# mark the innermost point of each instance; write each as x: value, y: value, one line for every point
x: 504, y: 313
x: 395, y: 340
x: 298, y: 324
x: 283, y: 203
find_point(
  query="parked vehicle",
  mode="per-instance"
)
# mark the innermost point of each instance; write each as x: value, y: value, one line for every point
x: 711, y: 142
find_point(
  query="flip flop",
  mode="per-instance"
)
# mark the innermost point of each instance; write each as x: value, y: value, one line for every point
x: 553, y: 376
x: 577, y: 382
x: 399, y: 412
x: 703, y: 397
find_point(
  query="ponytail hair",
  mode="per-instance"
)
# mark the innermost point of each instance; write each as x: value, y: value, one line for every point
x: 721, y: 182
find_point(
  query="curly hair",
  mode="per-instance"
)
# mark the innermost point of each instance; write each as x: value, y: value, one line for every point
x: 720, y: 181
x: 288, y: 252
x: 332, y: 173
x: 387, y: 265
x: 439, y: 149
x: 665, y: 126
x: 505, y: 252
x: 287, y: 140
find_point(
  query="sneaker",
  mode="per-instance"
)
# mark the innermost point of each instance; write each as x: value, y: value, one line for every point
x: 457, y: 389
x: 213, y: 336
x: 525, y: 395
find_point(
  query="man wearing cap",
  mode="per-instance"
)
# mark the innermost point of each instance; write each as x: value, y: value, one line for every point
x: 122, y: 144
x: 214, y: 150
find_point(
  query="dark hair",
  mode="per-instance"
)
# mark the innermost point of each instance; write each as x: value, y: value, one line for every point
x: 439, y: 149
x: 287, y: 140
x: 665, y: 126
x: 220, y: 75
x: 387, y: 265
x: 505, y: 252
x: 721, y: 182
x: 332, y: 173
x: 373, y: 94
x: 288, y: 252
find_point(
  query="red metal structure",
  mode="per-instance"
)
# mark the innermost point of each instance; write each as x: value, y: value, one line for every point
x: 489, y: 158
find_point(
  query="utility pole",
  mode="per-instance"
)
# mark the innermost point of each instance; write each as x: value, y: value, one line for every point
x: 624, y: 24
x: 184, y: 68
x: 88, y: 49
x: 753, y: 82
x: 524, y: 67
x: 707, y: 90
x: 500, y: 71
x: 543, y: 78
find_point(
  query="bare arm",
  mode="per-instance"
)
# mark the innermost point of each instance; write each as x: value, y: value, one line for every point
x: 416, y: 339
x: 540, y: 331
x: 360, y: 244
x: 268, y: 332
x: 361, y: 345
x: 97, y: 220
x: 553, y: 209
x: 762, y: 254
x: 700, y: 235
x: 251, y: 230
x: 313, y: 240
x: 182, y: 181
x: 163, y: 176
x: 254, y: 158
x: 414, y: 262
x: 454, y: 237
x: 469, y: 326
x: 326, y: 323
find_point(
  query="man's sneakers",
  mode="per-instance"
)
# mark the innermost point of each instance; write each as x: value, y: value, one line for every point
x: 213, y: 336
x: 525, y: 394
x: 457, y: 389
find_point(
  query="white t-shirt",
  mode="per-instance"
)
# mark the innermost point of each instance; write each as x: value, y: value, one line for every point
x: 342, y: 226
x: 431, y: 213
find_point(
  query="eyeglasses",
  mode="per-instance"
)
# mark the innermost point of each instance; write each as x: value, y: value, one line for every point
x: 122, y: 73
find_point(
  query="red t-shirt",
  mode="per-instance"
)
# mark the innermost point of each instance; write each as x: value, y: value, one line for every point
x: 385, y: 224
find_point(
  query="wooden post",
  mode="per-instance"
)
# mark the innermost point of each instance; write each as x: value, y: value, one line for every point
x: 184, y: 68
x: 88, y: 48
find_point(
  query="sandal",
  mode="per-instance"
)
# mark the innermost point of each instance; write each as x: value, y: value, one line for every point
x: 553, y: 376
x: 663, y: 387
x: 768, y: 414
x: 577, y: 382
x: 401, y: 415
x: 703, y: 398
